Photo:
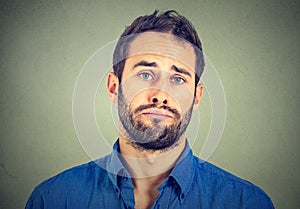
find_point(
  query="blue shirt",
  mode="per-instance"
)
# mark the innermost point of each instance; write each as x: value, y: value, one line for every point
x: 192, y: 183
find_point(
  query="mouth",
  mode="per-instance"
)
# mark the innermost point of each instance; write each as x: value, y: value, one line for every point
x: 159, y: 114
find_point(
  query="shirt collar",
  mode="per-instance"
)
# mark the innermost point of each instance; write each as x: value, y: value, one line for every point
x: 114, y: 165
x: 182, y: 173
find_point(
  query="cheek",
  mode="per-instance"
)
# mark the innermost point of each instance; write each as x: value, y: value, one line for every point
x: 135, y: 92
x: 183, y: 98
x: 132, y: 88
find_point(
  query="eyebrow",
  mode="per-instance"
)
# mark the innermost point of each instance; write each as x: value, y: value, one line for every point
x: 144, y: 63
x: 180, y: 70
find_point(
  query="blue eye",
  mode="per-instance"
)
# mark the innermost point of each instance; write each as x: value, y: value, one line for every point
x: 178, y: 80
x: 146, y: 76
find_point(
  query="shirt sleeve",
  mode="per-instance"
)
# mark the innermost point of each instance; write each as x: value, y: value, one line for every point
x: 35, y: 201
x: 260, y: 201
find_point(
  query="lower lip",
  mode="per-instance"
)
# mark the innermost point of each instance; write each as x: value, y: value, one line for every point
x: 158, y: 116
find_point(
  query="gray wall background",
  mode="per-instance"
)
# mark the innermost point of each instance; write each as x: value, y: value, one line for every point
x: 254, y: 45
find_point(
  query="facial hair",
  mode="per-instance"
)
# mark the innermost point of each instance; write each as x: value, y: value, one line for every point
x: 158, y: 136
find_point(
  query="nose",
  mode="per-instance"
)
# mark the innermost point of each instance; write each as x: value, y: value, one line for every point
x: 159, y: 94
x: 158, y: 97
x: 155, y: 100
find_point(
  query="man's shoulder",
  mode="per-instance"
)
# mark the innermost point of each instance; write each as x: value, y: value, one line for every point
x: 74, y: 186
x: 76, y: 176
x: 212, y: 171
x: 218, y: 180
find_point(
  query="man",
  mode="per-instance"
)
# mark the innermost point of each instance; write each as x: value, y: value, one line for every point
x: 158, y: 62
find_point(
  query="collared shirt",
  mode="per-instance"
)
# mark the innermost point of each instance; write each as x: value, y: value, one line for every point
x: 106, y: 184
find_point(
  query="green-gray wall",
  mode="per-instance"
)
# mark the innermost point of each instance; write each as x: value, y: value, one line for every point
x: 254, y: 45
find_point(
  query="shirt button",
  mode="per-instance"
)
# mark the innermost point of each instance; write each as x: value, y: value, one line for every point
x: 125, y: 178
x: 118, y: 192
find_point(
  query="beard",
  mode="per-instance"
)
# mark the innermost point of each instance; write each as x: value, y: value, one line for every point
x: 154, y: 136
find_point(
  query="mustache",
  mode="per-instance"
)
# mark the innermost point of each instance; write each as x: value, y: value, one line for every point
x: 149, y: 106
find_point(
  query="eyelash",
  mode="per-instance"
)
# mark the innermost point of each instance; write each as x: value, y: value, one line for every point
x: 151, y: 77
x: 176, y: 77
x: 145, y: 73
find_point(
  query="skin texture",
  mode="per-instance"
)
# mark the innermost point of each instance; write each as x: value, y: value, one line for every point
x: 155, y: 99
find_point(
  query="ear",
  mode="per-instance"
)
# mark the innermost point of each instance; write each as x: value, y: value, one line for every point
x: 198, y: 96
x: 112, y: 86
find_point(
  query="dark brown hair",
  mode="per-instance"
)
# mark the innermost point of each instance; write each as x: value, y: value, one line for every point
x: 168, y: 22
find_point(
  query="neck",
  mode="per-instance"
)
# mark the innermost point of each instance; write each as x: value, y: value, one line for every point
x: 154, y: 164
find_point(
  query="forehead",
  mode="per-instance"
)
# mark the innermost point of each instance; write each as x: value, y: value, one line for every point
x: 163, y: 44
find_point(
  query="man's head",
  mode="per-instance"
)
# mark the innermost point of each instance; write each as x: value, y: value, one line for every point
x: 157, y: 68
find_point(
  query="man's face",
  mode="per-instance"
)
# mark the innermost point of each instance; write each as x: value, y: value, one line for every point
x: 156, y: 96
